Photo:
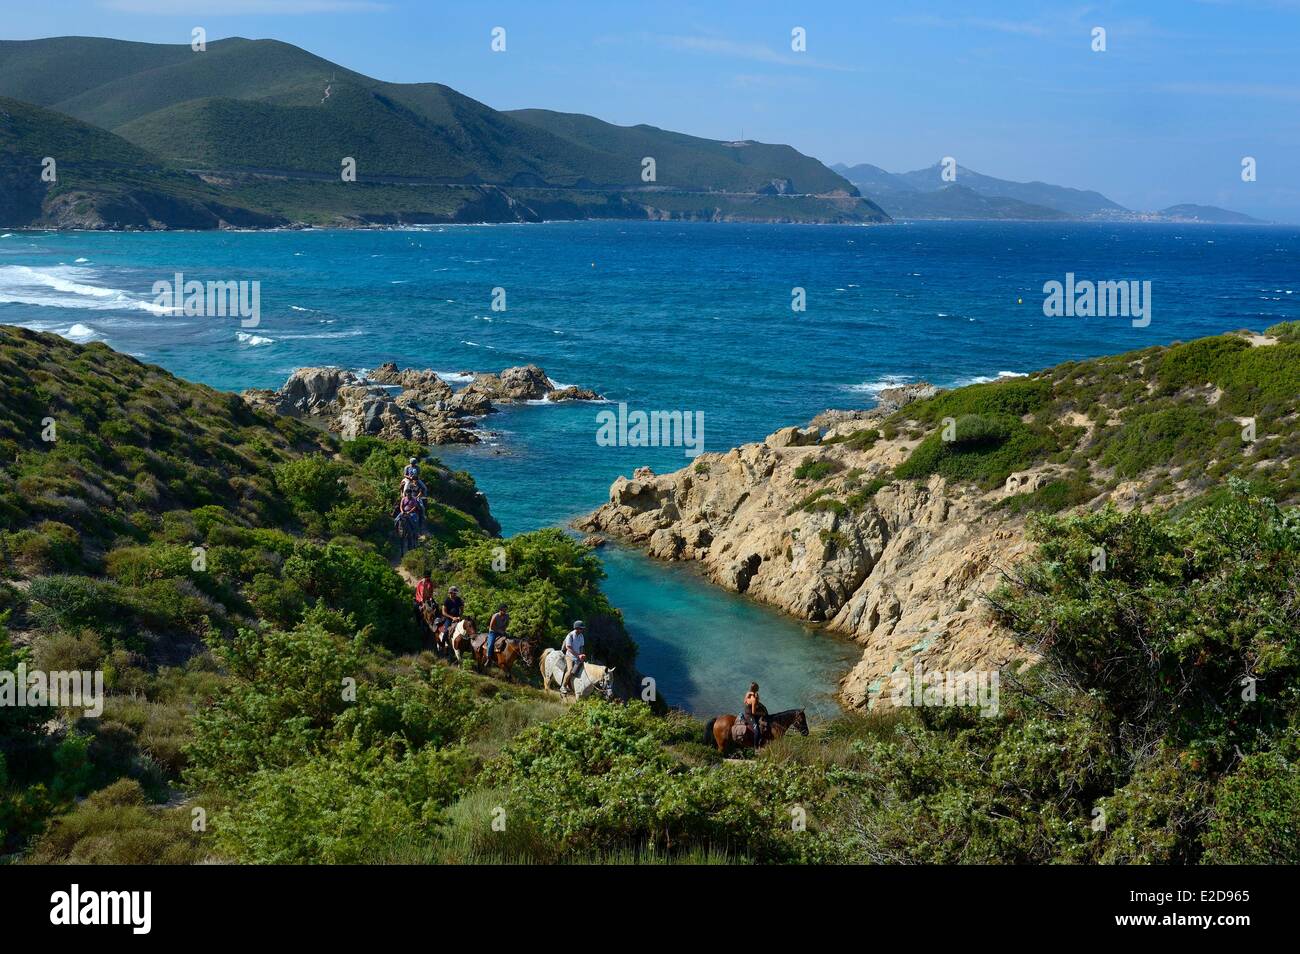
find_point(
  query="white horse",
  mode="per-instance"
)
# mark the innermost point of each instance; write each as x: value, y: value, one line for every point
x: 461, y: 635
x: 588, y: 680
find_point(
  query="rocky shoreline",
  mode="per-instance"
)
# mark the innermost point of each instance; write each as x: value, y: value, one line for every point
x: 408, y: 404
x: 903, y: 574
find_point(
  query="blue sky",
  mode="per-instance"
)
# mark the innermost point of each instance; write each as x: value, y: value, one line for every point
x: 1185, y: 89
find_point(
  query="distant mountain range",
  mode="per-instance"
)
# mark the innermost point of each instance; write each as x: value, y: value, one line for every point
x: 260, y: 128
x: 925, y: 194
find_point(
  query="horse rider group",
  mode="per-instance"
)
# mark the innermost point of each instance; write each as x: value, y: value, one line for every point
x: 451, y: 610
x: 411, y: 505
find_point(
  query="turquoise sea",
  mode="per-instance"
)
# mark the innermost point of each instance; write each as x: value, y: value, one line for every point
x: 663, y: 316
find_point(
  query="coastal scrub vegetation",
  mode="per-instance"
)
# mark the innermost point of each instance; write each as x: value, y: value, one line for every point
x: 268, y: 703
x: 1185, y: 409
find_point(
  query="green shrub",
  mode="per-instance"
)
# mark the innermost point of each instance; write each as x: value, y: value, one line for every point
x: 1163, y: 437
x: 603, y: 777
x: 862, y: 440
x: 312, y: 484
x: 136, y: 566
x: 287, y: 688
x: 1198, y: 362
x: 1256, y: 814
x: 356, y: 582
x: 863, y: 496
x: 1287, y: 332
x: 348, y: 807
x: 116, y: 826
x: 1052, y: 497
x: 1184, y: 610
x: 984, y: 449
x: 51, y: 547
x: 1012, y: 397
x: 811, y: 468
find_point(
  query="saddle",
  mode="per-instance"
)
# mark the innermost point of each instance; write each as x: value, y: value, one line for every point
x: 741, y: 732
x: 478, y: 641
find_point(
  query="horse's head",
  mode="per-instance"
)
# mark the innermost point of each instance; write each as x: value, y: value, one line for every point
x: 605, y: 685
x: 528, y: 651
x: 470, y: 629
x: 800, y: 722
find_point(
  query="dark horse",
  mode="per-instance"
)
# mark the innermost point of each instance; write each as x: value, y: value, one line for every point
x: 408, y: 531
x: 718, y: 731
x: 439, y: 631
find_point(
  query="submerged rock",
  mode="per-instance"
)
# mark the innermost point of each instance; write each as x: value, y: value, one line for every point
x: 572, y: 393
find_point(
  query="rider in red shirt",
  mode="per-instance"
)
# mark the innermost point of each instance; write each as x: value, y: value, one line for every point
x: 423, y: 594
x: 424, y: 589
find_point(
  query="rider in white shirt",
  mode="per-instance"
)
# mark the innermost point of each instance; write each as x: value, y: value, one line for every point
x: 574, y: 656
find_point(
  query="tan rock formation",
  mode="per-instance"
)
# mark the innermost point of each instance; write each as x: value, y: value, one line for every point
x: 904, y: 573
x: 425, y: 408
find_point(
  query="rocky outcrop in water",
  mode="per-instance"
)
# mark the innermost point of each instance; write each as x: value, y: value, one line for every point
x: 406, y: 404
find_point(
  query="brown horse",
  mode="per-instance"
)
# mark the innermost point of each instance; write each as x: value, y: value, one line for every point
x: 507, y: 650
x: 718, y: 731
x: 430, y: 615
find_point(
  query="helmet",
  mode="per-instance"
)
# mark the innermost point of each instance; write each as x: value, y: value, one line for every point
x: 453, y: 589
x: 412, y: 461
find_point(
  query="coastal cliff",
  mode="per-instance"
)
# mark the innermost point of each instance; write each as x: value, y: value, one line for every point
x: 893, y: 526
x: 903, y: 575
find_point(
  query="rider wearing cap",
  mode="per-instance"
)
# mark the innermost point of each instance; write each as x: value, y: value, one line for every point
x: 574, y: 656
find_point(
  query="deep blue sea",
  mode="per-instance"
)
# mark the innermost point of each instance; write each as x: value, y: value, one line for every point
x: 663, y: 316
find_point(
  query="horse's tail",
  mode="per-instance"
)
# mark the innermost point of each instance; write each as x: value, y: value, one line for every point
x: 708, y: 732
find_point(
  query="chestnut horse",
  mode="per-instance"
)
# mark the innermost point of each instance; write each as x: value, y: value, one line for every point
x: 718, y: 731
x: 507, y: 650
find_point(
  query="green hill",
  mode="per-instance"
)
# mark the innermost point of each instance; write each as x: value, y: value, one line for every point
x: 104, y: 181
x: 687, y: 161
x: 267, y: 106
x: 179, y: 541
x: 101, y: 180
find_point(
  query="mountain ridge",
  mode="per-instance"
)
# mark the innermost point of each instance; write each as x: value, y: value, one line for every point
x: 920, y: 194
x: 264, y: 110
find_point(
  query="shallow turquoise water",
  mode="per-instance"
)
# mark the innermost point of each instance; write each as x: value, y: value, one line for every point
x: 704, y: 645
x: 665, y: 316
